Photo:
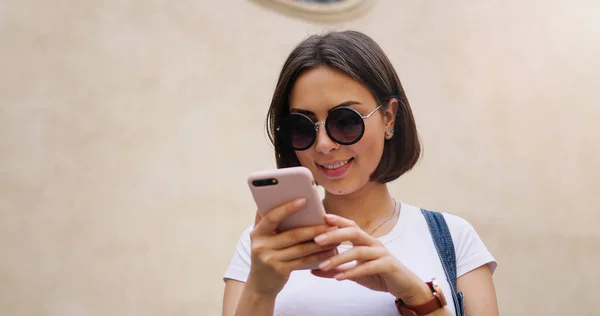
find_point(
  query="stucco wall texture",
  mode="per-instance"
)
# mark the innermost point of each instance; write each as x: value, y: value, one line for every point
x: 128, y: 128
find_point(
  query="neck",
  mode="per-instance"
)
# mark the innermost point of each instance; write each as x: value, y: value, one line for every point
x: 367, y: 207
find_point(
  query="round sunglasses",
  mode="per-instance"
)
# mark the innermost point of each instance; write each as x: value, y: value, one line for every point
x: 343, y: 125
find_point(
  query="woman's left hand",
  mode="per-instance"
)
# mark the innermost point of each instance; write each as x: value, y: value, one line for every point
x: 376, y: 268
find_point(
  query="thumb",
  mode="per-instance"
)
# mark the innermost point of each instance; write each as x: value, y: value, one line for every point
x: 257, y: 218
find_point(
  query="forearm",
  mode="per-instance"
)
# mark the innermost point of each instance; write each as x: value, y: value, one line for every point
x: 252, y: 303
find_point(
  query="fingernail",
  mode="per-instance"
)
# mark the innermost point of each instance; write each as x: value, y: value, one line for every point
x: 321, y: 238
x: 330, y: 217
x: 299, y: 202
x: 339, y: 276
x: 324, y: 264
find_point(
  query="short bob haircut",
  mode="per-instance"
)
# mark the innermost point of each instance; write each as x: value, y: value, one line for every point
x: 360, y: 58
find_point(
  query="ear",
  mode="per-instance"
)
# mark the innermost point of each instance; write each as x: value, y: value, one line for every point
x: 389, y: 114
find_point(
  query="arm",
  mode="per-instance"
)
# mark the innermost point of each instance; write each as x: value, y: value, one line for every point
x: 273, y: 256
x: 232, y: 295
x: 237, y: 294
x: 377, y: 269
x: 479, y: 291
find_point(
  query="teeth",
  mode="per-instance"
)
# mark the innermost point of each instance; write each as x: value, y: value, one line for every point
x: 336, y: 165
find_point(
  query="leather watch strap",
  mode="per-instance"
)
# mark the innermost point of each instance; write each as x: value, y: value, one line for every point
x: 436, y: 302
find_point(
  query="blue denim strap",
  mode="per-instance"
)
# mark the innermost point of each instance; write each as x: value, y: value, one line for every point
x: 445, y: 249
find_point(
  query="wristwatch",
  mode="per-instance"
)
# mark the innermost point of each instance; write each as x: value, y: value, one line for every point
x: 436, y: 302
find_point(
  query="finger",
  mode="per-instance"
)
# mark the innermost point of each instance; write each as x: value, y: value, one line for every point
x: 359, y: 253
x: 257, y: 218
x: 301, y: 250
x: 310, y: 259
x: 335, y: 220
x: 364, y: 269
x: 330, y: 274
x: 269, y: 222
x: 354, y: 235
x: 299, y: 235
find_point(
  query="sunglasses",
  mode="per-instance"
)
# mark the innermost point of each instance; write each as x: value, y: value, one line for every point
x: 343, y: 125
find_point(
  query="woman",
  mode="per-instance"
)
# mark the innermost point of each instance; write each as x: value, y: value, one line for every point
x: 361, y: 136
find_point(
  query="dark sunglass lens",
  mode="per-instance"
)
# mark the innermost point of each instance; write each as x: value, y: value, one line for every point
x: 298, y: 131
x: 345, y: 125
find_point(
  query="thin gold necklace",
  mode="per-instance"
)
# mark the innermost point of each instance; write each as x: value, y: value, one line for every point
x: 387, y: 220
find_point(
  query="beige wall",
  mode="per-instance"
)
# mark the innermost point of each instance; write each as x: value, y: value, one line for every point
x: 127, y: 129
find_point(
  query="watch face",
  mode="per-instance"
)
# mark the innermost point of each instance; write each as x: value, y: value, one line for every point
x: 438, y: 292
x: 435, y: 284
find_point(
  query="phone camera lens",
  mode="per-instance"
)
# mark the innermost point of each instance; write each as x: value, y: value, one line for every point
x: 264, y: 182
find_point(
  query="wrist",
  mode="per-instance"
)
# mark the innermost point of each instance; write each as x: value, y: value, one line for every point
x: 421, y: 302
x: 258, y: 292
x: 419, y: 294
x: 254, y: 302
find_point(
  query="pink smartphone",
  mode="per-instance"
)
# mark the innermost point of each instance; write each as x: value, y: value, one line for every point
x: 272, y: 188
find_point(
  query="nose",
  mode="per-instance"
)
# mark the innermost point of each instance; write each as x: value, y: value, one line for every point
x: 324, y: 144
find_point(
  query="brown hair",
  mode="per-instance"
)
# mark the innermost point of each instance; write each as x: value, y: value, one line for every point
x: 359, y: 57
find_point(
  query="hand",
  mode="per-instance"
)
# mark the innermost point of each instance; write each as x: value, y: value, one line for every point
x: 376, y: 268
x: 275, y: 255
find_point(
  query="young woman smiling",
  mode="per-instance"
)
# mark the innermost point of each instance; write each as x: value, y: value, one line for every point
x: 339, y: 110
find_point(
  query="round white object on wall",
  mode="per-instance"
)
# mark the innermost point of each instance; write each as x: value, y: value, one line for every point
x: 320, y: 10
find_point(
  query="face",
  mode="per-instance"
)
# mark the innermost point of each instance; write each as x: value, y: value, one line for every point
x: 338, y: 168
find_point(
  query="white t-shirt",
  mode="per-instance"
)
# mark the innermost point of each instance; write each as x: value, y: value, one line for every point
x: 409, y: 241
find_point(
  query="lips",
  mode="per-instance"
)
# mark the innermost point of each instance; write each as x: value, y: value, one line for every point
x: 334, y: 165
x: 335, y: 169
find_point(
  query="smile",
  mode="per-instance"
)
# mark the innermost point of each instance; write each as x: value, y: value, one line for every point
x: 334, y: 165
x: 335, y: 169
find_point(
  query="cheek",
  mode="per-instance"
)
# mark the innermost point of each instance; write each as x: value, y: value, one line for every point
x: 305, y: 158
x: 370, y: 149
x: 369, y: 157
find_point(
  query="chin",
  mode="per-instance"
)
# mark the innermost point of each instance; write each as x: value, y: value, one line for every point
x: 340, y: 188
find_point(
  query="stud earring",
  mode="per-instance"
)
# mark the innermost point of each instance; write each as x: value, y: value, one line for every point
x: 389, y: 132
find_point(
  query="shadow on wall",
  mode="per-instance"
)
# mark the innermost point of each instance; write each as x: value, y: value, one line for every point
x: 324, y: 11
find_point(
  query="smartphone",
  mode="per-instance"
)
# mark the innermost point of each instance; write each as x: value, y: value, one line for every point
x: 272, y: 188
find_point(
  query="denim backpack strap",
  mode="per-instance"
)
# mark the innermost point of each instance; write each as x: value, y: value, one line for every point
x: 445, y: 249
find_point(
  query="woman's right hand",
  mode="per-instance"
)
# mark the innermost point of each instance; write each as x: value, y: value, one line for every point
x: 276, y: 255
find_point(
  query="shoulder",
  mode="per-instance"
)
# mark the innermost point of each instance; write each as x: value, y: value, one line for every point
x: 460, y: 229
x: 244, y: 243
x: 462, y: 232
x: 239, y: 266
x: 457, y: 225
x: 245, y: 236
x: 471, y: 252
x: 470, y: 249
